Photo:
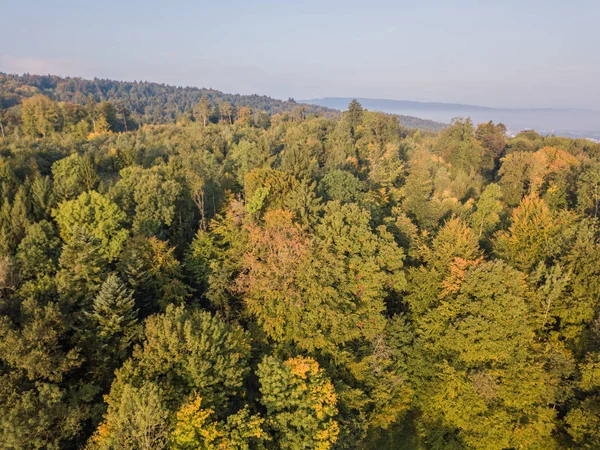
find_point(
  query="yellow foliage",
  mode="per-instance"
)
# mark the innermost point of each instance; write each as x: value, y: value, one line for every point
x: 193, y: 428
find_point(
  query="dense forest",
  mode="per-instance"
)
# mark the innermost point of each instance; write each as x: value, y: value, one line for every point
x: 152, y: 103
x: 181, y: 270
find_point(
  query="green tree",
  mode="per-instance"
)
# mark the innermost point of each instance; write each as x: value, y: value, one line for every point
x: 342, y: 186
x: 39, y: 116
x: 38, y: 252
x: 150, y: 196
x: 458, y: 145
x: 492, y: 138
x: 95, y: 214
x: 485, y: 377
x: 215, y: 258
x: 319, y: 294
x: 300, y: 402
x: 588, y: 190
x: 202, y: 110
x: 488, y: 211
x: 151, y: 269
x: 354, y: 114
x: 83, y: 267
x: 535, y: 235
x: 72, y: 176
x: 185, y: 352
x: 113, y: 324
x: 136, y: 419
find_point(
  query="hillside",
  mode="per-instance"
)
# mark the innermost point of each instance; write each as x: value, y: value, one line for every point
x: 148, y: 102
x: 159, y: 103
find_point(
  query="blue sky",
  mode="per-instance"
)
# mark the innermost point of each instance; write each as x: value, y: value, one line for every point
x: 509, y: 53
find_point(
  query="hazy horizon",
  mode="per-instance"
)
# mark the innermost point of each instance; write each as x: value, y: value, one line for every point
x: 529, y: 54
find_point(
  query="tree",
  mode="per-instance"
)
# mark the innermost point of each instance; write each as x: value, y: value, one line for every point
x: 534, y: 236
x: 226, y: 111
x: 418, y: 190
x: 303, y: 201
x: 342, y: 186
x: 245, y: 116
x: 113, y: 323
x: 137, y: 419
x: 215, y: 258
x: 2, y: 122
x: 39, y: 116
x: 354, y: 114
x: 42, y: 197
x: 583, y: 421
x: 202, y: 110
x: 202, y: 352
x: 486, y: 377
x: 270, y: 184
x: 197, y: 428
x: 492, y: 138
x: 459, y: 147
x: 150, y: 196
x: 150, y: 267
x: 95, y: 214
x: 83, y: 267
x: 300, y: 402
x: 72, y: 176
x: 588, y: 190
x: 489, y: 207
x: 38, y: 252
x: 320, y: 294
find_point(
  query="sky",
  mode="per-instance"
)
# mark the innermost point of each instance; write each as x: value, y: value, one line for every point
x: 503, y: 53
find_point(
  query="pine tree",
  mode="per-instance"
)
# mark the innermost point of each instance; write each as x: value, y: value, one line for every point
x: 113, y: 312
x: 355, y: 114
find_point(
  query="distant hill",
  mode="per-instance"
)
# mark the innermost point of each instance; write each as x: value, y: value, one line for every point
x: 158, y: 103
x: 565, y: 122
x: 148, y: 102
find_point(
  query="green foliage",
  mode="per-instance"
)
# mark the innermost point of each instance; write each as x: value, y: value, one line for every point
x: 150, y: 197
x: 150, y: 267
x: 72, y: 176
x: 488, y: 211
x: 199, y: 350
x: 113, y: 320
x: 96, y: 215
x: 83, y: 267
x: 355, y: 114
x: 300, y: 402
x: 137, y: 419
x: 39, y: 116
x: 459, y: 147
x: 488, y: 380
x: 37, y: 254
x: 320, y: 294
x: 240, y: 272
x: 341, y: 186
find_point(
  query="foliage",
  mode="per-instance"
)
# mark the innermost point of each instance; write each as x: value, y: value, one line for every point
x: 182, y: 268
x: 300, y: 402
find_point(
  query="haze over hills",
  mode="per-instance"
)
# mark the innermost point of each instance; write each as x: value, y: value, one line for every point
x: 559, y: 121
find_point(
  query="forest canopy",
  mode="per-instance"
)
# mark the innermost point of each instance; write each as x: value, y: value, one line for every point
x: 191, y: 270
